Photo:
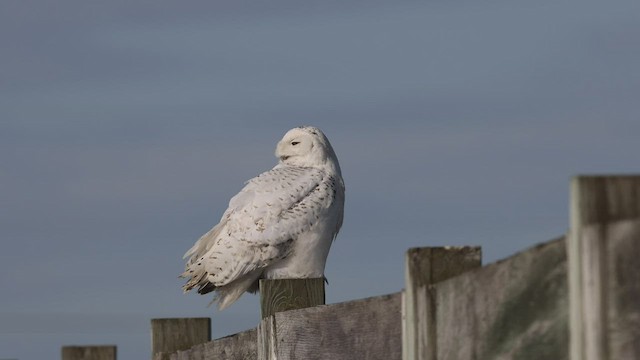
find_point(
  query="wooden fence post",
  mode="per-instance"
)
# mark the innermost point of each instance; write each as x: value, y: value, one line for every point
x: 362, y: 329
x: 604, y: 272
x: 289, y: 294
x: 424, y: 267
x: 104, y: 352
x: 171, y: 335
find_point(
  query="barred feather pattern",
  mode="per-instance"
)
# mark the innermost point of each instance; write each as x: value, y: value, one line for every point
x: 280, y: 225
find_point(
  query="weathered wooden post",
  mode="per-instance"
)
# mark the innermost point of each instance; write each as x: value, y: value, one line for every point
x: 103, y: 352
x: 171, y: 335
x: 363, y: 329
x: 604, y: 271
x: 278, y: 295
x: 424, y: 267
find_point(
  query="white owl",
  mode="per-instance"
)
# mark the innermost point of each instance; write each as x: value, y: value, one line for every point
x: 280, y: 225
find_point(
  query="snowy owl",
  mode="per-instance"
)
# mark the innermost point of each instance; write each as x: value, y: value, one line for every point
x: 281, y: 224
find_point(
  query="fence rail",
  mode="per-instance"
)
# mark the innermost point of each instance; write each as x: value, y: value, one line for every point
x: 575, y: 298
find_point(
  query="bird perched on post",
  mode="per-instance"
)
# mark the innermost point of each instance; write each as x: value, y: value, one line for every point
x: 279, y: 226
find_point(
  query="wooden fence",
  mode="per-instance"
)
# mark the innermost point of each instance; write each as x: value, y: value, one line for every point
x: 576, y: 297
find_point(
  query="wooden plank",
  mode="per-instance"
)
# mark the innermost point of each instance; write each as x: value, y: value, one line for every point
x: 102, y: 352
x: 602, y: 209
x: 195, y: 352
x: 362, y: 329
x: 170, y: 335
x: 423, y: 267
x: 623, y: 290
x: 513, y: 309
x: 289, y: 294
x: 266, y: 339
x: 241, y: 346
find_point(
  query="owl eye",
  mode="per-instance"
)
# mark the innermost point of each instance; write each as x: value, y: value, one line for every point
x: 294, y: 143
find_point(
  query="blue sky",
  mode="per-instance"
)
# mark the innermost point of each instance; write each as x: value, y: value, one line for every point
x: 125, y: 127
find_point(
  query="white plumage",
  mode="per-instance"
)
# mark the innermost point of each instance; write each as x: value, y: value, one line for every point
x: 280, y: 225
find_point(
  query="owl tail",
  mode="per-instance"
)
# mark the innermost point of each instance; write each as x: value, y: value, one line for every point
x: 228, y: 294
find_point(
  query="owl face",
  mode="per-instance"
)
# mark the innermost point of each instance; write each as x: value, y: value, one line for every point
x: 295, y: 144
x: 307, y: 146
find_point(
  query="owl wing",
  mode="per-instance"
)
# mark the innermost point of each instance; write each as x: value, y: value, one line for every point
x: 260, y: 225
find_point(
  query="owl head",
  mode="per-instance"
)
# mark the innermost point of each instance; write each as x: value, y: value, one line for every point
x: 307, y: 146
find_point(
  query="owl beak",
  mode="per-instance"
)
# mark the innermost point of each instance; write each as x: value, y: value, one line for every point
x: 279, y: 152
